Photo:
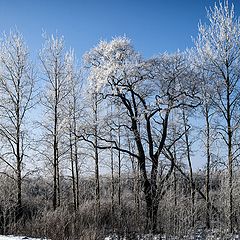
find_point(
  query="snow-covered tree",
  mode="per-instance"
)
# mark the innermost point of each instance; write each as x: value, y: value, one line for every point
x: 54, y: 123
x: 218, y: 51
x: 147, y: 91
x: 17, y: 80
x: 73, y: 109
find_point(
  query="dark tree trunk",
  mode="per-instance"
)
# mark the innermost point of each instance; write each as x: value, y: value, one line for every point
x: 230, y: 155
x: 19, y: 190
x: 96, y: 156
x: 119, y: 189
x: 76, y: 171
x: 18, y: 153
x: 192, y: 190
x: 175, y: 190
x: 75, y: 150
x: 72, y: 170
x: 208, y: 168
x: 58, y: 183
x: 112, y: 187
x: 151, y: 207
x: 55, y: 147
x: 54, y: 185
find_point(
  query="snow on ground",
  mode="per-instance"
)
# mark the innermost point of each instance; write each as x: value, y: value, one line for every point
x: 18, y: 238
x: 198, y: 235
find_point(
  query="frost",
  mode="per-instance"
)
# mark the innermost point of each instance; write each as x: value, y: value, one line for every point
x: 114, y: 60
x: 219, y: 41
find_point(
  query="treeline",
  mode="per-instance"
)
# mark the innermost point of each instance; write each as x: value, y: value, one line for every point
x: 110, y: 145
x: 125, y: 218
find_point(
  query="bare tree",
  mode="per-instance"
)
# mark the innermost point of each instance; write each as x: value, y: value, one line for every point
x: 207, y: 111
x: 52, y: 57
x: 17, y: 81
x: 188, y: 144
x: 218, y: 48
x: 148, y: 91
x: 73, y: 111
x: 93, y: 127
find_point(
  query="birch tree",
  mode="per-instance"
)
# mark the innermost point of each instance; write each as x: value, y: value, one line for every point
x: 73, y: 112
x: 218, y: 48
x: 188, y: 144
x: 52, y: 57
x: 17, y: 80
x: 207, y: 111
x: 90, y: 131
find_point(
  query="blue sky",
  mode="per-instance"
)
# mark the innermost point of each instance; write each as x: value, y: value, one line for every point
x: 154, y: 26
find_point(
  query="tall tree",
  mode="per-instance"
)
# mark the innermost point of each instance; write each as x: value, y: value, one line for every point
x: 207, y: 111
x: 218, y: 49
x: 147, y: 91
x: 73, y: 111
x: 188, y: 144
x: 93, y: 128
x: 17, y: 81
x: 52, y: 57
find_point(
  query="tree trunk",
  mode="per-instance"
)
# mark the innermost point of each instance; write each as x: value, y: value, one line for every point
x: 72, y: 170
x: 76, y: 170
x: 54, y: 185
x: 19, y: 190
x: 97, y: 184
x: 136, y: 190
x: 176, y: 226
x: 75, y: 152
x: 18, y: 153
x: 230, y: 157
x: 151, y: 208
x: 55, y: 146
x: 58, y: 183
x: 112, y: 185
x: 192, y: 191
x: 119, y: 169
x: 208, y: 167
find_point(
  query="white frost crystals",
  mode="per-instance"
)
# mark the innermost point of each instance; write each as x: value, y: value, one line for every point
x: 115, y: 58
x: 219, y: 40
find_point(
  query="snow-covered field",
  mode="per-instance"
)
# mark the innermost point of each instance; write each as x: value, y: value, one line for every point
x: 198, y: 235
x: 18, y: 238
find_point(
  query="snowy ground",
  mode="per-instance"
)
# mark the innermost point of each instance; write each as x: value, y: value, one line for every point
x: 199, y: 234
x: 18, y: 238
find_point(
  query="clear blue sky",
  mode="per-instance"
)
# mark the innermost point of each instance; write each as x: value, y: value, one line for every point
x: 154, y: 26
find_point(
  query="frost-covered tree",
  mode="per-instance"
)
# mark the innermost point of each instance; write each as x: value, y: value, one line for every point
x: 17, y: 80
x: 218, y: 49
x: 52, y: 57
x: 73, y: 108
x: 147, y: 91
x: 92, y: 130
x: 208, y: 134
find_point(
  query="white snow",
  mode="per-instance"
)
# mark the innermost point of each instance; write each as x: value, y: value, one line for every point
x: 10, y: 237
